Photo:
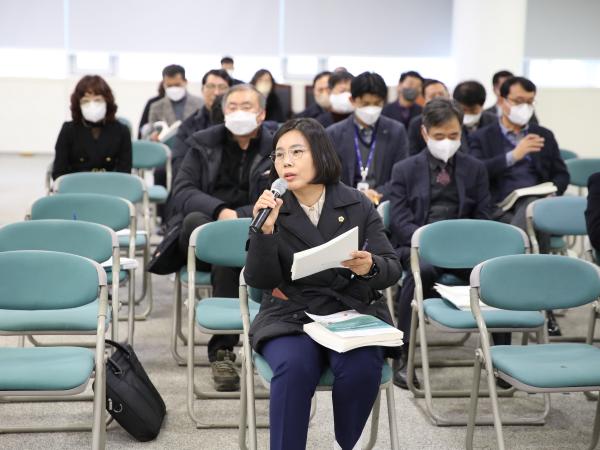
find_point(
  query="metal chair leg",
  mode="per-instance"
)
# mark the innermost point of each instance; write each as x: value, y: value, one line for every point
x: 596, y: 430
x: 393, y: 424
x: 474, y: 400
x: 374, y: 422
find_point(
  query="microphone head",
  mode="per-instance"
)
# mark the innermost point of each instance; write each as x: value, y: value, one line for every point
x: 279, y: 186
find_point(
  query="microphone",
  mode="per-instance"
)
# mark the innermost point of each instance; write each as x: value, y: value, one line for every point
x: 278, y: 188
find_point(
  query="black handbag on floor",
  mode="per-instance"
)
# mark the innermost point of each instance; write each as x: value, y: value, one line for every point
x: 131, y: 398
x: 168, y: 258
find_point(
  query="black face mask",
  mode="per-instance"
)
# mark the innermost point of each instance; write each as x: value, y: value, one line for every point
x: 410, y: 94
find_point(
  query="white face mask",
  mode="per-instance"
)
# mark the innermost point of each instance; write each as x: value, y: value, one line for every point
x: 470, y: 120
x: 241, y: 123
x: 323, y: 101
x: 368, y: 114
x: 175, y: 93
x: 340, y: 103
x: 520, y: 114
x: 94, y: 111
x: 229, y: 72
x: 444, y: 149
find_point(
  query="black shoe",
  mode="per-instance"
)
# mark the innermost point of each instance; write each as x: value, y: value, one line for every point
x: 503, y: 384
x: 553, y: 328
x: 224, y: 374
x: 400, y: 369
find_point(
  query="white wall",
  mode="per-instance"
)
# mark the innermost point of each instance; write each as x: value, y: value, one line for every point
x: 34, y: 109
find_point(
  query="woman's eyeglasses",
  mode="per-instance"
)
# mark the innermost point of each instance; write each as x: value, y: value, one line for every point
x: 279, y: 155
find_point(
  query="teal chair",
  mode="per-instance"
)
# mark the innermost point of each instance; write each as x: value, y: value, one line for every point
x: 62, y: 282
x: 384, y: 212
x: 125, y: 121
x: 580, y: 170
x: 114, y: 212
x: 537, y: 283
x: 129, y: 187
x: 458, y: 244
x: 221, y: 243
x: 567, y: 154
x: 252, y: 360
x: 90, y: 240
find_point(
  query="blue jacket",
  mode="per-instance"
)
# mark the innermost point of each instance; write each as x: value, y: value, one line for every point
x: 391, y: 147
x: 488, y: 145
x: 410, y: 194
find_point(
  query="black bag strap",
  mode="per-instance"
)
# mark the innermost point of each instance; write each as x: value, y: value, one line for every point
x: 118, y: 346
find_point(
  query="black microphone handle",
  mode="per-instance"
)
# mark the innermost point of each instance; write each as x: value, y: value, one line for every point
x: 262, y: 215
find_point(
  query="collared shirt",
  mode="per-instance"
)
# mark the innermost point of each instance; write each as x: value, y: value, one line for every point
x: 443, y: 203
x: 314, y: 212
x: 366, y: 134
x: 513, y: 139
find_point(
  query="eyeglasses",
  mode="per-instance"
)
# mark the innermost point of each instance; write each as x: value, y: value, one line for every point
x: 520, y: 101
x: 279, y: 155
x: 214, y: 87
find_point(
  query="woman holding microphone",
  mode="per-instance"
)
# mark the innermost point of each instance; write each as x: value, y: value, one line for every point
x: 316, y: 208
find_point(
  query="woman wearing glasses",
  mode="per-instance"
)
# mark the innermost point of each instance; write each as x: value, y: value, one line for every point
x: 316, y: 208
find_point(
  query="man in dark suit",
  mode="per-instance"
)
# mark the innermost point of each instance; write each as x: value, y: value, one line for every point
x: 500, y: 77
x: 439, y: 183
x: 405, y: 108
x: 368, y: 143
x: 339, y: 99
x: 321, y: 93
x: 519, y: 154
x: 431, y: 89
x: 592, y: 213
x: 470, y: 95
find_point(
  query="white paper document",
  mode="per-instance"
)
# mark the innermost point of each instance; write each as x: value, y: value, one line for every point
x: 325, y: 256
x: 459, y: 296
x: 126, y: 263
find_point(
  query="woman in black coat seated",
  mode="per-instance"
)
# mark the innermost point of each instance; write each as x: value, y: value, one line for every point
x: 316, y: 208
x: 264, y: 82
x: 94, y: 140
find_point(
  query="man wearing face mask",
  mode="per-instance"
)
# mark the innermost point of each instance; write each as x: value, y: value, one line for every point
x: 406, y: 108
x: 221, y: 177
x: 367, y: 143
x: 437, y: 184
x: 519, y: 154
x: 500, y: 77
x: 470, y: 95
x: 227, y: 65
x: 177, y: 104
x: 339, y: 98
x: 321, y: 96
x: 431, y: 89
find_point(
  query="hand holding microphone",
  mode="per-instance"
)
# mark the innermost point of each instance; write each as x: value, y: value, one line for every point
x: 267, y: 207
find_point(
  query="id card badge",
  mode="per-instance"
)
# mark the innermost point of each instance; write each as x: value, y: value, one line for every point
x: 362, y: 186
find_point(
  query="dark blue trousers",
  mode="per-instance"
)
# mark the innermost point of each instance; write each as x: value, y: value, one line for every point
x: 297, y: 363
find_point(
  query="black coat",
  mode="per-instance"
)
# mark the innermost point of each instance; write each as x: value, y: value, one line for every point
x: 592, y: 213
x: 313, y: 111
x: 195, y: 181
x: 198, y: 121
x: 269, y: 262
x: 392, y: 110
x: 391, y: 146
x: 488, y: 145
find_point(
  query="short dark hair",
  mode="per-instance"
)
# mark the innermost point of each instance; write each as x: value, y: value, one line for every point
x: 524, y: 82
x: 368, y: 83
x: 226, y: 60
x: 217, y: 73
x: 325, y: 73
x: 469, y: 93
x: 338, y: 77
x: 97, y: 86
x: 327, y: 164
x: 501, y: 74
x: 411, y: 73
x: 440, y: 111
x: 172, y: 71
x: 428, y: 82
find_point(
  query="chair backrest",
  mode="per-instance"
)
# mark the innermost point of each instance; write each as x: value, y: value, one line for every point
x: 384, y: 211
x: 559, y: 216
x: 113, y: 212
x: 222, y: 243
x: 567, y: 154
x: 62, y: 280
x: 90, y: 240
x: 536, y: 282
x: 464, y: 243
x: 130, y: 187
x: 580, y: 170
x: 125, y: 121
x: 149, y: 155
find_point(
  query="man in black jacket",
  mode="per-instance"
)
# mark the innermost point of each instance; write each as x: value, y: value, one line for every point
x: 471, y: 95
x: 221, y: 177
x: 431, y: 89
x: 592, y: 213
x: 406, y: 108
x: 321, y: 93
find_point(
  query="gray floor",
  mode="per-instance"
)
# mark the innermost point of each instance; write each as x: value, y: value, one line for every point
x: 568, y: 426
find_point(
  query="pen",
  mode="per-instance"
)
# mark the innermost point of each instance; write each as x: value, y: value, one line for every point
x: 365, y: 245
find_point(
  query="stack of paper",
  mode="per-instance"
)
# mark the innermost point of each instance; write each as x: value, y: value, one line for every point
x: 325, y: 256
x: 539, y: 190
x: 125, y: 263
x: 459, y: 296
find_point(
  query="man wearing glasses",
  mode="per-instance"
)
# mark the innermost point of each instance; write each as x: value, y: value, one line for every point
x: 519, y: 154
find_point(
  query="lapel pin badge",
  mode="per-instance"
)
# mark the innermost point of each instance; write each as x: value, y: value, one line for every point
x: 340, y: 219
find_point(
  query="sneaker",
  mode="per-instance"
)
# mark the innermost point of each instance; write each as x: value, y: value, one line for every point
x: 224, y: 374
x: 553, y: 327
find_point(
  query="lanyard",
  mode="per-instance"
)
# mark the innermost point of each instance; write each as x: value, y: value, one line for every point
x: 364, y: 170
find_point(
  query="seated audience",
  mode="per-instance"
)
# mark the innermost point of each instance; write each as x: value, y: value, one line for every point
x: 339, y: 99
x: 497, y: 80
x: 470, y: 95
x: 265, y: 84
x: 519, y: 154
x: 592, y: 213
x: 307, y: 215
x: 439, y: 183
x: 146, y: 112
x: 405, y: 108
x: 431, y: 89
x: 177, y: 104
x: 221, y: 177
x: 368, y: 143
x: 321, y: 95
x: 94, y: 140
x: 227, y: 66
